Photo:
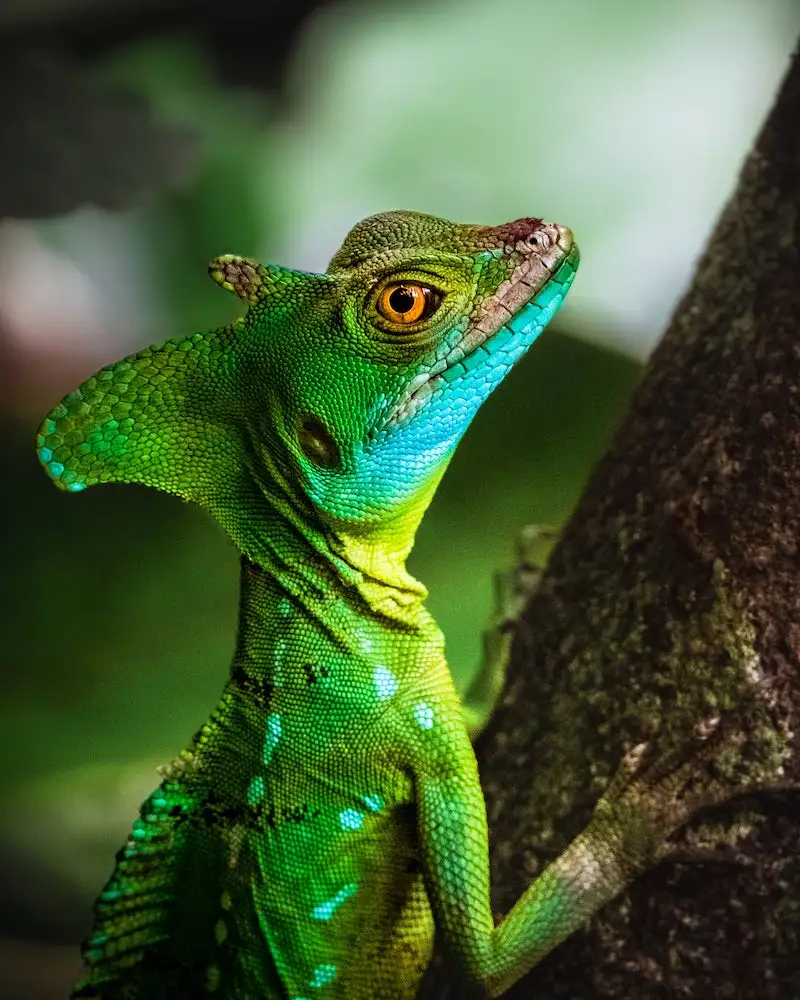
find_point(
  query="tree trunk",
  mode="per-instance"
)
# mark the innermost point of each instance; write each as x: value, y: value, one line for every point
x: 673, y: 597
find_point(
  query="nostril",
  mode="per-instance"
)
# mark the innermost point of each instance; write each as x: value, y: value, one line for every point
x: 540, y: 239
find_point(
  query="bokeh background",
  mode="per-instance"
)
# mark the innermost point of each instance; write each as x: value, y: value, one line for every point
x: 139, y: 139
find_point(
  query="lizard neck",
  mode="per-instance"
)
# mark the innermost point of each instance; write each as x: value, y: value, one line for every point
x: 288, y: 640
x: 313, y: 560
x: 309, y: 587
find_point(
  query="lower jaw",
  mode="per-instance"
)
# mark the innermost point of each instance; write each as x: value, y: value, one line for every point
x: 502, y: 349
x: 521, y: 330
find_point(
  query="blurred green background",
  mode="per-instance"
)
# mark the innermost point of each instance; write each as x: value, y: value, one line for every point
x: 140, y: 139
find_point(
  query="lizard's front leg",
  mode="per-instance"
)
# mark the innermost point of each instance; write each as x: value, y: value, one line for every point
x: 627, y: 834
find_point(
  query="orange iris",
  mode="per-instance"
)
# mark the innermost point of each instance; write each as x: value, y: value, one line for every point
x: 405, y: 302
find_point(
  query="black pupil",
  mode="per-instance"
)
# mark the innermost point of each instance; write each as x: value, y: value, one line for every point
x: 402, y: 299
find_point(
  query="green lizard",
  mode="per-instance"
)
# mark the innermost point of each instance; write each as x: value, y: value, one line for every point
x: 329, y: 816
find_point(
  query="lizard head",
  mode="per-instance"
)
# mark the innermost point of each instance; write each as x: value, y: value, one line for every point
x: 346, y: 391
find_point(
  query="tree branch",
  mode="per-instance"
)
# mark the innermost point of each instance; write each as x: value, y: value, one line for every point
x: 673, y: 596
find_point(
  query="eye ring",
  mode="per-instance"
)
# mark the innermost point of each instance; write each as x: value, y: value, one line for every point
x: 407, y: 302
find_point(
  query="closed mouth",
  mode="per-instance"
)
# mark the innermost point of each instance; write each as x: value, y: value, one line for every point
x: 511, y: 319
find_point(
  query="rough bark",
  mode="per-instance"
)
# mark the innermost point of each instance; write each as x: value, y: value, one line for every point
x: 671, y: 597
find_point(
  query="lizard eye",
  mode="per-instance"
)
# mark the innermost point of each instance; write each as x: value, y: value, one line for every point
x: 407, y: 302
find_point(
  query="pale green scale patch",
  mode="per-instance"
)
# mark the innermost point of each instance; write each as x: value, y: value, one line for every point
x: 271, y: 737
x: 234, y: 836
x: 326, y: 910
x: 386, y: 684
x: 212, y: 978
x: 255, y: 791
x: 322, y: 975
x: 351, y: 819
x: 423, y: 713
x: 277, y: 661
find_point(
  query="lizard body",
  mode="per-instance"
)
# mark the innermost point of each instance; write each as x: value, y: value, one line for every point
x: 329, y: 815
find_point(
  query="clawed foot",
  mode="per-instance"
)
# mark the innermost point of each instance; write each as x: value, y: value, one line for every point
x: 648, y: 800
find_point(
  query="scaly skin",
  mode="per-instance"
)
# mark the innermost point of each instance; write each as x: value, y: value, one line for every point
x: 329, y: 814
